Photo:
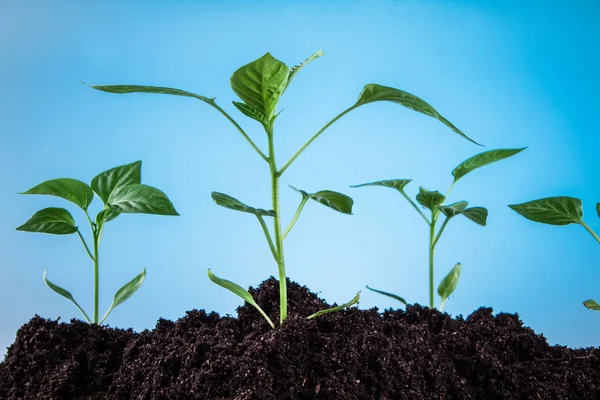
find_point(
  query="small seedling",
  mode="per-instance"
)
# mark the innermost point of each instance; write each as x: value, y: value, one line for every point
x: 434, y: 202
x: 560, y: 210
x: 121, y: 191
x: 260, y: 84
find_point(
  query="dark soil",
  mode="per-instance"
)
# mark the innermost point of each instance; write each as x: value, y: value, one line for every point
x: 419, y: 353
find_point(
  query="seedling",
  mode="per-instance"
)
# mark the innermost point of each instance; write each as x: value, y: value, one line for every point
x: 434, y: 202
x: 121, y: 191
x: 260, y: 84
x: 560, y: 210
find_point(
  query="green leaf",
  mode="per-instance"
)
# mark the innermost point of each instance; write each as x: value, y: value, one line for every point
x: 591, y: 305
x: 56, y: 221
x: 430, y: 199
x: 139, y: 198
x: 598, y: 209
x: 248, y: 111
x: 227, y: 201
x: 69, y: 189
x: 453, y: 209
x: 239, y: 291
x: 124, y: 89
x: 397, y: 184
x: 66, y: 294
x: 261, y: 83
x: 334, y: 200
x: 338, y: 308
x: 126, y: 292
x: 561, y: 210
x: 477, y: 215
x: 115, y: 178
x: 388, y: 294
x: 106, y: 215
x: 482, y: 159
x: 373, y: 92
x: 448, y: 284
x: 295, y: 69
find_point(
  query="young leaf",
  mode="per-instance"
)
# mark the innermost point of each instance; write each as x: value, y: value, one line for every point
x: 123, y: 89
x: 334, y: 200
x: 241, y: 292
x: 448, y: 284
x: 106, y: 215
x: 56, y: 221
x: 477, y: 215
x: 250, y: 112
x: 261, y: 83
x: 430, y: 199
x: 69, y: 189
x: 373, y: 92
x: 591, y: 305
x: 397, y: 184
x: 482, y: 159
x: 115, y: 178
x: 561, y: 210
x: 338, y: 308
x: 227, y: 201
x: 295, y: 69
x: 126, y: 292
x: 139, y: 198
x: 392, y: 295
x: 66, y: 294
x: 453, y: 209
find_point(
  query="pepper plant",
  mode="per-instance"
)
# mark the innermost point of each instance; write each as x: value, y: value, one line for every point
x: 560, y: 210
x: 260, y: 84
x: 436, y: 207
x: 121, y: 192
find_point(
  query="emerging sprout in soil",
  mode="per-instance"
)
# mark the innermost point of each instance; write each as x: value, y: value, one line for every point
x: 121, y: 191
x: 434, y: 202
x: 260, y: 84
x: 560, y: 210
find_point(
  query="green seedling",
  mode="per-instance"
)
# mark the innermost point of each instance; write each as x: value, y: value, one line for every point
x: 560, y: 210
x: 434, y: 202
x: 121, y: 192
x: 260, y: 84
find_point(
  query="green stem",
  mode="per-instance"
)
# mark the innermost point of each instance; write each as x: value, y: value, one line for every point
x: 431, y: 251
x: 87, y: 249
x: 586, y: 226
x: 439, y: 234
x: 96, y: 275
x: 293, y: 221
x: 415, y: 207
x: 268, y: 236
x: 312, y: 139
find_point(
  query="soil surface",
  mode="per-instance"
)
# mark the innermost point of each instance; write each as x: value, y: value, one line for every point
x: 415, y: 354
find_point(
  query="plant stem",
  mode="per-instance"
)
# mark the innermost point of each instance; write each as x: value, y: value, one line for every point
x: 586, y: 226
x: 293, y: 221
x: 268, y: 236
x: 87, y: 249
x: 96, y: 275
x: 431, y: 251
x: 415, y: 207
x: 440, y: 231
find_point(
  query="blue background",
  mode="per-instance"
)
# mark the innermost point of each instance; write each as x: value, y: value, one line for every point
x: 507, y: 73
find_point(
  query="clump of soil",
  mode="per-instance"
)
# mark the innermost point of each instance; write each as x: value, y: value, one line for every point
x: 415, y: 354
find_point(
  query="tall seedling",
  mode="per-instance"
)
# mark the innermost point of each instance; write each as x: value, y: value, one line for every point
x: 260, y: 84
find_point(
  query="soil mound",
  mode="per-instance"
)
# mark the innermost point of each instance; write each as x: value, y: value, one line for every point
x: 418, y: 353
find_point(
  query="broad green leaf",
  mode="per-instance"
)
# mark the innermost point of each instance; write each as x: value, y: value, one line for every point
x: 453, y: 209
x: 123, y: 89
x: 106, y: 215
x: 239, y: 291
x: 139, y: 198
x: 334, y: 200
x: 591, y: 305
x: 295, y: 69
x: 250, y: 112
x: 56, y: 221
x: 261, y: 83
x: 227, y: 201
x: 69, y: 189
x: 66, y: 294
x: 397, y: 184
x: 338, y: 308
x: 373, y: 92
x: 448, y: 284
x: 598, y: 209
x: 477, y: 215
x: 561, y: 210
x: 126, y: 292
x: 482, y: 159
x: 106, y: 182
x: 430, y: 199
x: 388, y: 294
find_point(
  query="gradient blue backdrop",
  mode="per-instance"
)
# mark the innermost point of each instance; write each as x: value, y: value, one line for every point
x: 508, y: 73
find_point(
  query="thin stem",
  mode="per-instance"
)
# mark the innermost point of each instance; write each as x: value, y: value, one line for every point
x: 96, y: 275
x: 312, y: 139
x: 412, y: 203
x: 439, y: 234
x: 293, y: 221
x: 268, y: 236
x: 239, y: 128
x: 586, y: 226
x: 450, y: 189
x: 87, y: 249
x: 431, y: 251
